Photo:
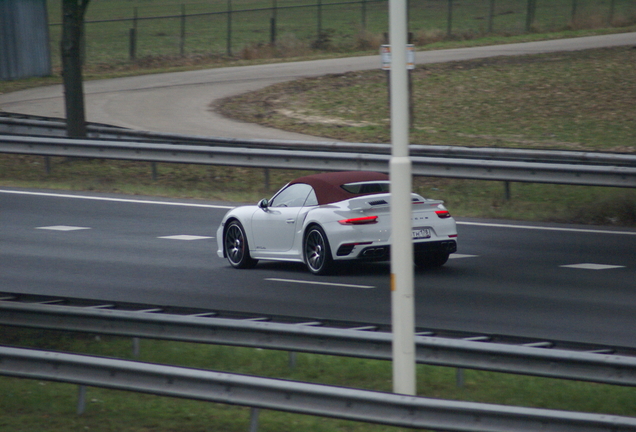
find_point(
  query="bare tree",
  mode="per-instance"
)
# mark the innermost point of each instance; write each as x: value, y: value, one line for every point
x: 73, y: 12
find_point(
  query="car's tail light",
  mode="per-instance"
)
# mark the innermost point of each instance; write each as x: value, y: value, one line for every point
x: 359, y: 221
x: 442, y: 214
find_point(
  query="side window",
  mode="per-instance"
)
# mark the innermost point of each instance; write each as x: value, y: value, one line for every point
x: 292, y: 196
x: 311, y: 199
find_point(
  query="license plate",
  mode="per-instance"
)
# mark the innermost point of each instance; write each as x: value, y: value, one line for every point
x: 420, y: 233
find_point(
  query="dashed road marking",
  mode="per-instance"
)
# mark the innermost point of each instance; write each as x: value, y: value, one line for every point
x: 592, y: 266
x: 185, y: 237
x: 458, y: 256
x: 62, y: 228
x: 320, y: 283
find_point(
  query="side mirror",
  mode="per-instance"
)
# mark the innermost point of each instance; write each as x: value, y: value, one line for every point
x: 263, y: 204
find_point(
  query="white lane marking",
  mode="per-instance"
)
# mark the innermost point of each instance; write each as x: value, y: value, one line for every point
x: 185, y: 237
x: 62, y: 228
x: 458, y: 256
x: 543, y: 228
x: 319, y: 283
x: 124, y: 200
x: 591, y: 266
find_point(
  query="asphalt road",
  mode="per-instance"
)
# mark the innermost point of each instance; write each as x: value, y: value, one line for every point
x: 180, y: 102
x: 506, y: 278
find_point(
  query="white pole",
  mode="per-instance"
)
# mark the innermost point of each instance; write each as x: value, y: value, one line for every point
x: 402, y: 304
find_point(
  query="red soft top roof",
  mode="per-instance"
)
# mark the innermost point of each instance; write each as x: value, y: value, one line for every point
x: 327, y: 185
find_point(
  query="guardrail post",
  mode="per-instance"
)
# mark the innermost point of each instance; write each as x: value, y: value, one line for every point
x: 459, y: 377
x: 135, y: 347
x: 507, y: 190
x: 254, y: 419
x: 266, y: 179
x: 81, y: 399
x: 293, y: 355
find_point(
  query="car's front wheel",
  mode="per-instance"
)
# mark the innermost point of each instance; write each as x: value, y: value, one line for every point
x: 317, y: 252
x: 236, y: 247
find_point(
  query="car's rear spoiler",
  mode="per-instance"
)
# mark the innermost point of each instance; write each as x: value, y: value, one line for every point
x: 384, y: 201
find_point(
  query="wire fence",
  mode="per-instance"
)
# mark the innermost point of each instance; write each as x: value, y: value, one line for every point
x: 285, y: 28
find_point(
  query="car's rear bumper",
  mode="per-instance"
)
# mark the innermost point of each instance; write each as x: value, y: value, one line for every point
x: 383, y: 252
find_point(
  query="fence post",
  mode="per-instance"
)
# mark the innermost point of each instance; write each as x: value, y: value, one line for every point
x: 491, y: 15
x: 319, y: 5
x: 132, y: 48
x: 183, y: 31
x: 229, y: 27
x: 449, y: 25
x: 530, y: 14
x: 574, y: 7
x: 272, y: 23
x: 364, y: 14
x: 610, y: 18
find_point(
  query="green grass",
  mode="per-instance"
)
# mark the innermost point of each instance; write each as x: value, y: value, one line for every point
x: 28, y: 405
x: 577, y: 100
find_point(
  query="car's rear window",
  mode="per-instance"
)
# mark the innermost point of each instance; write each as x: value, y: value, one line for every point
x: 366, y: 187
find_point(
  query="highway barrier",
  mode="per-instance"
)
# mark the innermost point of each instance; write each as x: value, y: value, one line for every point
x: 594, y: 174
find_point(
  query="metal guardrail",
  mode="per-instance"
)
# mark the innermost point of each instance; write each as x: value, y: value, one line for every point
x: 599, y: 367
x: 14, y: 124
x: 303, y: 398
x: 500, y: 170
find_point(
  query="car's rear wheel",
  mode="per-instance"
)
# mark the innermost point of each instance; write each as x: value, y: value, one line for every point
x: 431, y: 259
x: 317, y: 252
x: 236, y: 247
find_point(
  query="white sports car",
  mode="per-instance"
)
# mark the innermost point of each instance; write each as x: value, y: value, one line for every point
x: 328, y: 218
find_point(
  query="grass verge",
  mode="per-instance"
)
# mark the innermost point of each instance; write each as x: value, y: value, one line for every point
x: 27, y: 405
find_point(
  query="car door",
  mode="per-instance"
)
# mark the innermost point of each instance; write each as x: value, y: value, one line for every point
x: 274, y: 227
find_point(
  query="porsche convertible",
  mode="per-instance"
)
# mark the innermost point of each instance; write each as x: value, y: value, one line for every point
x: 326, y: 219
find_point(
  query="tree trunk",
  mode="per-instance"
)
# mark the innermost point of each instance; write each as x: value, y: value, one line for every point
x: 72, y: 19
